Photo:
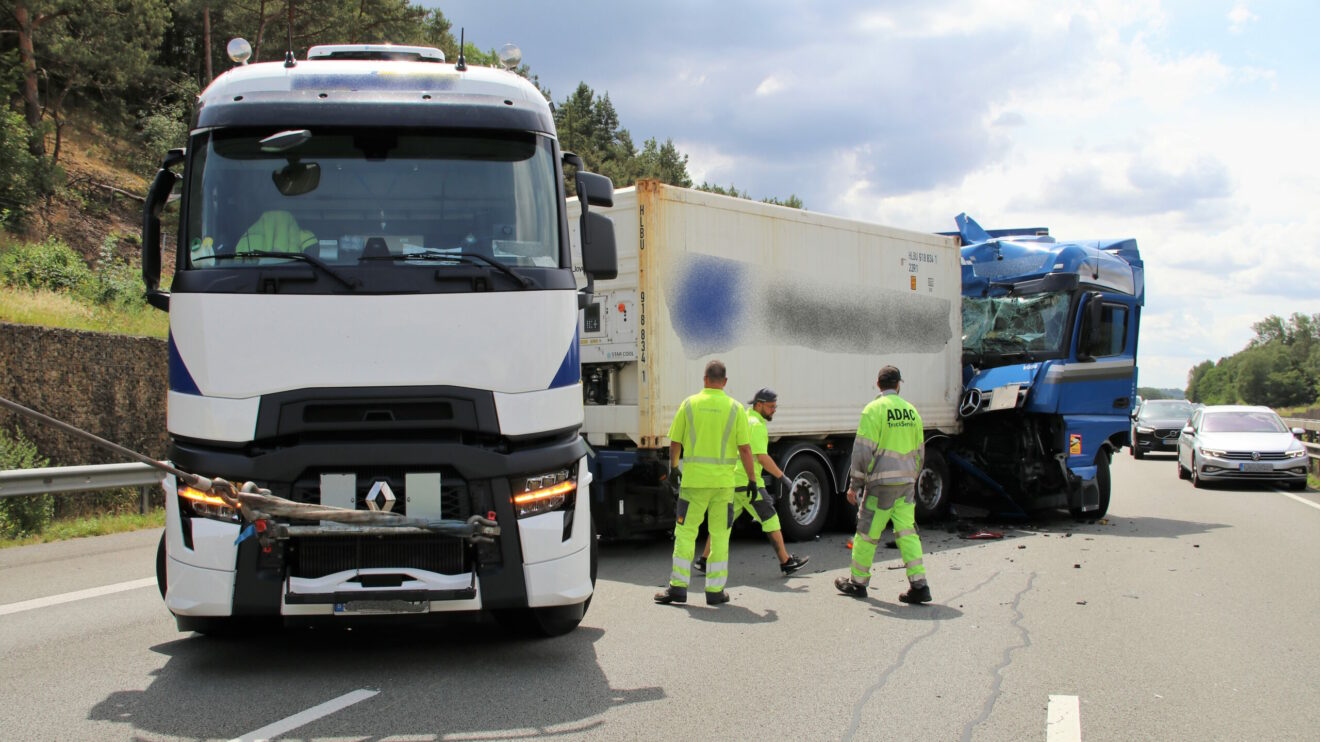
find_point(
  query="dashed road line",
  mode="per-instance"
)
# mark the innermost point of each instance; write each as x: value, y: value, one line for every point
x: 306, y: 717
x: 1063, y: 720
x: 94, y: 592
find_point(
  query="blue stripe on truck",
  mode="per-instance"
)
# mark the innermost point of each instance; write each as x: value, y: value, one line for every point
x: 570, y: 371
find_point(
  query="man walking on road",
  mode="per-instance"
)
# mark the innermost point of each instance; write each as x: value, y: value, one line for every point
x: 886, y: 459
x: 709, y: 434
x: 758, y: 503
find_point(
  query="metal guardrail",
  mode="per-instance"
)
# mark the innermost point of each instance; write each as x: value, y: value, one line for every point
x: 57, y: 479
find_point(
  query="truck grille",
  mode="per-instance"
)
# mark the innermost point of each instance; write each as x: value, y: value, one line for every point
x: 320, y: 556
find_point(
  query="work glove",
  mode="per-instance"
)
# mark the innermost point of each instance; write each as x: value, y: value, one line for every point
x: 674, y: 482
x: 752, y: 486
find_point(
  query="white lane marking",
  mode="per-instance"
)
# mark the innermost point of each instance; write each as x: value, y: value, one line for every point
x: 1063, y: 720
x: 307, y: 717
x: 1302, y: 500
x: 94, y: 592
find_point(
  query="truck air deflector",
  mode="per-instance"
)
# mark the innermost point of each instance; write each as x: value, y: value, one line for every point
x: 181, y: 380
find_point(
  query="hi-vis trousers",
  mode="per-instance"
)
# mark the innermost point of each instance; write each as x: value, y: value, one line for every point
x: 693, y: 505
x: 871, y: 521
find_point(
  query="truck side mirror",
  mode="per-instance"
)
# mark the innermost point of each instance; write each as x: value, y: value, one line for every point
x: 1090, y: 326
x: 157, y: 195
x: 600, y: 258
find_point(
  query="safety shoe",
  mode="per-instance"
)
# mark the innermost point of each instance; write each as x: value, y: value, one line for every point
x: 671, y: 594
x: 718, y: 598
x: 700, y: 564
x: 846, y: 586
x: 793, y: 564
x: 916, y: 594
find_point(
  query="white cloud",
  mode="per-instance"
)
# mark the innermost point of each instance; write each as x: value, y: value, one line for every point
x: 769, y: 86
x: 1239, y: 17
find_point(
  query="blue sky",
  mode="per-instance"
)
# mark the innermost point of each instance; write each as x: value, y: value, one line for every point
x: 1190, y: 126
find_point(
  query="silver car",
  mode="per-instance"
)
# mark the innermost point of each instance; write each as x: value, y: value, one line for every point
x: 1224, y: 443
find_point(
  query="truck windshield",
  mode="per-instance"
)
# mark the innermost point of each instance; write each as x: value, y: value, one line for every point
x: 1003, y: 325
x: 372, y: 198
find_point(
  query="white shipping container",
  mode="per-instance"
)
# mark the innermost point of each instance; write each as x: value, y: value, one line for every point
x: 808, y: 304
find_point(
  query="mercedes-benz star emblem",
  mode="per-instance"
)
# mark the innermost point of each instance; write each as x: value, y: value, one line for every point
x: 971, y: 403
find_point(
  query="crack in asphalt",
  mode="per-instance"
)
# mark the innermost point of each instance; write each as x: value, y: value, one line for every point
x: 902, y: 656
x: 997, y: 688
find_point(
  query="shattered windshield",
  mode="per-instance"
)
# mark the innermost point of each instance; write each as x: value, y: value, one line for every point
x: 1032, y: 324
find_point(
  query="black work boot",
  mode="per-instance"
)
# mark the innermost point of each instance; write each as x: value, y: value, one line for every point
x: 700, y: 564
x: 718, y: 598
x: 846, y: 586
x: 793, y: 564
x: 671, y: 594
x: 916, y: 594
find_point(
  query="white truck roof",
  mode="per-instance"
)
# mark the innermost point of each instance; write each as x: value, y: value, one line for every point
x: 338, y: 76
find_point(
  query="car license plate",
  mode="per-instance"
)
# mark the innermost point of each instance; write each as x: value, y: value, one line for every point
x: 362, y: 607
x: 1257, y: 466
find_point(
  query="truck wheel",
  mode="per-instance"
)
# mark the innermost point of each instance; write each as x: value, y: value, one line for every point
x: 543, y: 622
x: 934, y: 486
x: 160, y: 566
x: 803, y: 513
x: 1101, y: 483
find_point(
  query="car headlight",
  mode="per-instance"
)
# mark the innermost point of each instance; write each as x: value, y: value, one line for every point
x: 1147, y: 431
x: 543, y: 493
x: 1213, y: 453
x: 1295, y: 453
x: 199, y: 504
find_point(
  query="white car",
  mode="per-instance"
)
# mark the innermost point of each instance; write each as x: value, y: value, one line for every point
x: 1224, y: 443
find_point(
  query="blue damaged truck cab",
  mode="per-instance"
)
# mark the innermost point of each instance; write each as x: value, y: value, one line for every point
x: 1049, y: 369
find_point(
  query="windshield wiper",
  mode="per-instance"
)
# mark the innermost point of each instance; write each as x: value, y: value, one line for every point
x: 348, y: 283
x: 469, y: 258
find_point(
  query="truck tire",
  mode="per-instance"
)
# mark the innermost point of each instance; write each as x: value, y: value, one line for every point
x: 1101, y: 483
x: 543, y: 622
x: 160, y: 566
x: 934, y: 486
x: 803, y: 512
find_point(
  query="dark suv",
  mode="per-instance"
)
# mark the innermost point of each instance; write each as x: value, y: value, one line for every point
x: 1156, y: 425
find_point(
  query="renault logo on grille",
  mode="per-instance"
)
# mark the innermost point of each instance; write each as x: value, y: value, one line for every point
x: 381, y: 497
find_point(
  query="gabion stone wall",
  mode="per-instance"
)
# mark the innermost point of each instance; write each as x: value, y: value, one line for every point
x: 111, y: 385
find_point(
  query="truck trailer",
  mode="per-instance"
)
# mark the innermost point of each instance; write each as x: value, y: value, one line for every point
x: 373, y: 311
x: 1018, y: 351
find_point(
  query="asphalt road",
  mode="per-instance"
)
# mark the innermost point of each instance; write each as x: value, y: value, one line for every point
x: 1187, y: 614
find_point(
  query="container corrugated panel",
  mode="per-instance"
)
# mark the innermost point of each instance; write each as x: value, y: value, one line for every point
x: 808, y: 304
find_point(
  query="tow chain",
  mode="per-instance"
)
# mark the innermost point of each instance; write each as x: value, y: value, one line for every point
x: 260, y: 508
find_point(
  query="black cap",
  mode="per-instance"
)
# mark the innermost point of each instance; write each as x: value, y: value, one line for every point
x: 888, y: 377
x: 765, y: 394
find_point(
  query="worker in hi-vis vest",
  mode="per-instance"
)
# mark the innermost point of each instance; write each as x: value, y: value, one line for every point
x: 759, y: 502
x: 886, y: 460
x: 709, y: 434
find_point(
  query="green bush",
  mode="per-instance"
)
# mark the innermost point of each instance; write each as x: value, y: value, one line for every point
x: 50, y: 265
x: 115, y: 281
x: 26, y: 514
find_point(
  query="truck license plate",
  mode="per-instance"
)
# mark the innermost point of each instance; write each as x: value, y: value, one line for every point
x: 1254, y: 466
x: 363, y: 607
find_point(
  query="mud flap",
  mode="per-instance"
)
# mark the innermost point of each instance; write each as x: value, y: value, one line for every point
x: 1085, y: 497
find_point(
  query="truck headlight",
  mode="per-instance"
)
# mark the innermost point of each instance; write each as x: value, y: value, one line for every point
x: 199, y: 504
x: 543, y: 493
